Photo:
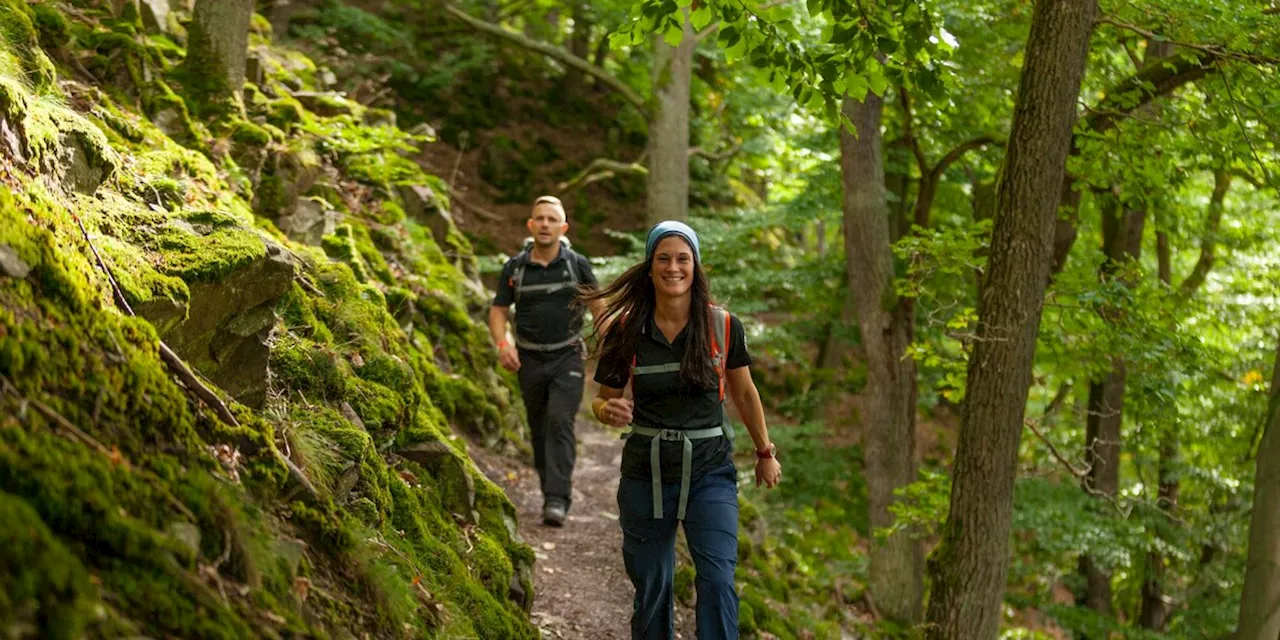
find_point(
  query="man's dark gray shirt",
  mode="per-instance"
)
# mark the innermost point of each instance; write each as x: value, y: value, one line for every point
x: 545, y: 318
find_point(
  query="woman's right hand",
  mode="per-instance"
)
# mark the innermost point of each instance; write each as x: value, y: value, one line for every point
x: 617, y: 412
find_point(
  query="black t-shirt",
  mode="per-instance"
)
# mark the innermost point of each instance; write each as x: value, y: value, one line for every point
x: 666, y: 401
x: 545, y: 317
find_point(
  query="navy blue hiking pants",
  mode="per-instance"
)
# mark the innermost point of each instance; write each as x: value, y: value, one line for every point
x: 649, y: 552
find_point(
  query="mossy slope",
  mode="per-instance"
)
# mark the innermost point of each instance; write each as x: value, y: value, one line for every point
x: 129, y: 507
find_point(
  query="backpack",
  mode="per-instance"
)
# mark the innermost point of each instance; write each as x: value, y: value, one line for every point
x: 719, y: 322
x: 522, y: 260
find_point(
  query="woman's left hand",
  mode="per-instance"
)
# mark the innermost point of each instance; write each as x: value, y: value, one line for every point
x: 768, y: 471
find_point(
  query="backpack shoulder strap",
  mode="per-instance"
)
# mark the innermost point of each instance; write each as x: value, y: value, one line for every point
x: 517, y: 275
x: 719, y: 321
x: 570, y: 260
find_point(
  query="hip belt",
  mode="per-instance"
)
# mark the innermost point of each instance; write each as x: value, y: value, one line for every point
x: 686, y: 459
x: 555, y: 346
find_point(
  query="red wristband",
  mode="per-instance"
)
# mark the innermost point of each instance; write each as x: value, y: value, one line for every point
x: 502, y: 345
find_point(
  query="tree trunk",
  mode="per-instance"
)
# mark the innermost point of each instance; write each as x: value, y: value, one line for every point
x: 1260, y: 604
x: 1122, y: 241
x: 668, y: 183
x: 1163, y: 267
x: 1155, y: 607
x: 971, y: 563
x: 885, y: 323
x: 579, y: 43
x: 218, y: 42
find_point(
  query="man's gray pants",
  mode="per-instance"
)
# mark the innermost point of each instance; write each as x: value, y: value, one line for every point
x: 552, y: 384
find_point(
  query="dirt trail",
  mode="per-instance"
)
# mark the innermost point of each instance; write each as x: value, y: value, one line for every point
x: 582, y: 588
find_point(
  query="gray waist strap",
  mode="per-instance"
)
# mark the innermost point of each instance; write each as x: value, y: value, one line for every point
x: 555, y: 346
x: 686, y: 460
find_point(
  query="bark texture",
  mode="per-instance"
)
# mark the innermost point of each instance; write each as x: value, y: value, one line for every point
x: 886, y: 325
x: 218, y: 44
x: 668, y: 181
x: 1260, y: 603
x: 969, y: 568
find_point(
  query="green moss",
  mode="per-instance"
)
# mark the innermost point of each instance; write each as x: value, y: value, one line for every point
x: 250, y: 134
x: 47, y: 587
x: 370, y: 255
x: 53, y: 27
x: 259, y: 25
x: 21, y: 40
x: 684, y: 584
x: 340, y: 245
x: 351, y: 340
x: 285, y: 113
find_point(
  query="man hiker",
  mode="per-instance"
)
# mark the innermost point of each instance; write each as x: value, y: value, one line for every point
x: 542, y: 282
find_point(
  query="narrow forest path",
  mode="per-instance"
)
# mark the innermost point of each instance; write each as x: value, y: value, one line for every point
x: 582, y: 590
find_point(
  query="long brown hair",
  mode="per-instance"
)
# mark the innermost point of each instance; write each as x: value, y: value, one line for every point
x: 629, y: 304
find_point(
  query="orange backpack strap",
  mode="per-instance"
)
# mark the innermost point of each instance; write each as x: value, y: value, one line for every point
x: 719, y: 326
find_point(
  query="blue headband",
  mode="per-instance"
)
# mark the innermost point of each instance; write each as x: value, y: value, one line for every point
x: 671, y: 228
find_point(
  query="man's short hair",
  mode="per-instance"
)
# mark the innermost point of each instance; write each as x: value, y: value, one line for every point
x: 553, y: 201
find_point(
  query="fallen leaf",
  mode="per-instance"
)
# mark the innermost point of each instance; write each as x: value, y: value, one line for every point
x: 548, y: 545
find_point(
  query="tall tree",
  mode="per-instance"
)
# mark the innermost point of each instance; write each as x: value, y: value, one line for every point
x: 1155, y: 605
x: 218, y: 42
x: 885, y: 323
x: 1121, y: 241
x: 667, y: 112
x: 970, y: 566
x: 668, y: 144
x: 1260, y: 603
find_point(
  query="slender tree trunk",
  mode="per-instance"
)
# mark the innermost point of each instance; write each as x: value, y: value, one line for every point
x: 668, y: 182
x: 1260, y: 603
x: 579, y: 43
x: 971, y: 563
x: 1122, y: 241
x: 898, y: 183
x: 1155, y: 607
x: 1163, y: 267
x: 886, y: 324
x: 218, y: 42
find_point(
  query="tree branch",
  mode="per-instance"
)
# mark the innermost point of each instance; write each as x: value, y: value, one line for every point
x: 1216, y: 51
x: 1258, y: 184
x: 930, y: 178
x: 553, y: 52
x: 714, y: 157
x: 1155, y: 79
x: 600, y: 169
x: 1209, y: 241
x: 961, y: 149
x: 908, y: 130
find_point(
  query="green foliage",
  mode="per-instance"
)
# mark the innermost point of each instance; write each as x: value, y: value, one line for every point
x: 861, y: 47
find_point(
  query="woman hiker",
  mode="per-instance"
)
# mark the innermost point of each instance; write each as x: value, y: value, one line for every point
x: 681, y: 356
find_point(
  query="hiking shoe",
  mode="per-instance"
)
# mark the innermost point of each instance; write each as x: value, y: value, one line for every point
x: 553, y: 514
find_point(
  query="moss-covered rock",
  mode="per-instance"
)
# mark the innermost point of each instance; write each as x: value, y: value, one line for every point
x: 133, y: 508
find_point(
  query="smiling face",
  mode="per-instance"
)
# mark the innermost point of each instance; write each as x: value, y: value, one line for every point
x: 547, y: 224
x: 672, y: 270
